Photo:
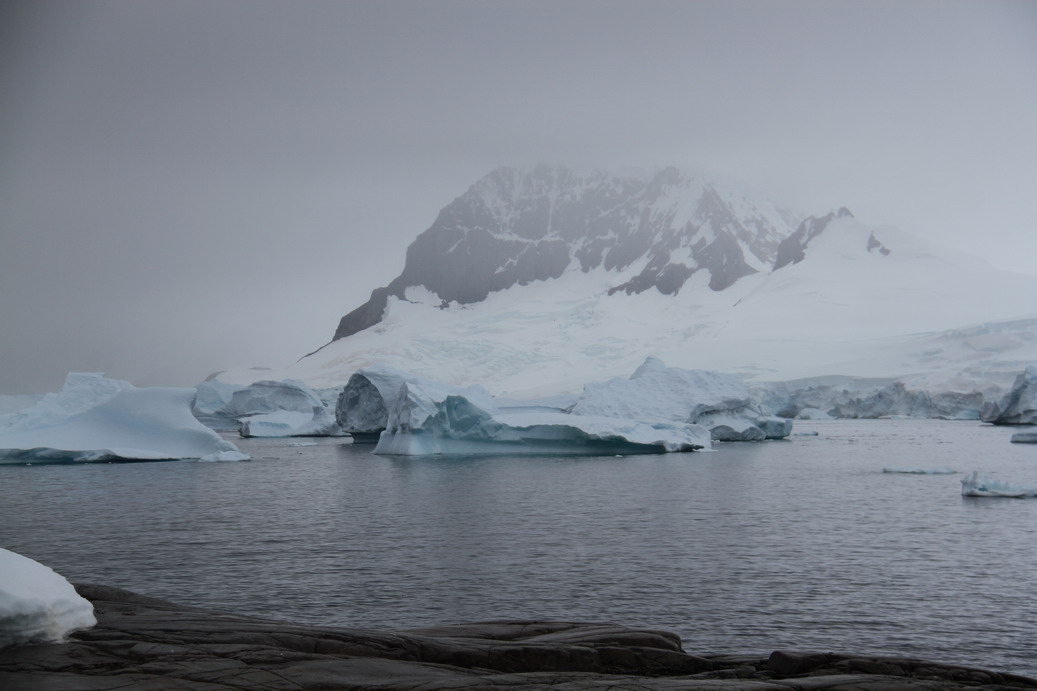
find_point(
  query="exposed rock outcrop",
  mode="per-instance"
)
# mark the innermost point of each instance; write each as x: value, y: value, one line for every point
x: 144, y: 643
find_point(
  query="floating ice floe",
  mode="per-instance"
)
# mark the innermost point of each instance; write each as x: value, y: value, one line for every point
x: 720, y: 402
x: 1024, y: 438
x: 976, y: 485
x: 37, y: 605
x: 920, y: 471
x: 286, y: 408
x: 94, y: 418
x: 431, y: 418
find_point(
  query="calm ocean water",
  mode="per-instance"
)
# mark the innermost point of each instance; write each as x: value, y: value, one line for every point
x: 803, y: 543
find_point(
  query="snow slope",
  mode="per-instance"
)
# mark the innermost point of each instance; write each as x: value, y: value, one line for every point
x: 930, y: 316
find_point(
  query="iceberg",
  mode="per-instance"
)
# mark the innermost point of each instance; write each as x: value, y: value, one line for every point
x: 210, y: 402
x: 1024, y: 438
x: 976, y: 485
x: 37, y: 605
x: 286, y: 408
x: 431, y: 418
x: 720, y: 402
x: 1019, y: 405
x: 94, y: 418
x: 362, y: 409
x: 320, y: 422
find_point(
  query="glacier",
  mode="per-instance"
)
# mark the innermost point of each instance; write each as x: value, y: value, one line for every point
x: 431, y: 418
x: 719, y: 402
x: 976, y: 485
x: 38, y: 605
x: 1019, y: 405
x: 94, y: 418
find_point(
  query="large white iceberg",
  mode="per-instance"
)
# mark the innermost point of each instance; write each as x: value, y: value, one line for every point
x: 286, y: 408
x: 720, y: 402
x: 976, y: 485
x: 37, y: 605
x: 94, y: 418
x: 432, y: 418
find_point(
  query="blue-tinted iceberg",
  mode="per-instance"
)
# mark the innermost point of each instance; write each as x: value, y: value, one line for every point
x: 362, y: 409
x: 720, y: 402
x: 96, y: 419
x: 37, y: 605
x: 976, y: 485
x: 431, y: 418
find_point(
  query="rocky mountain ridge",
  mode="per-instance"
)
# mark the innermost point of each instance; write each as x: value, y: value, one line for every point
x: 518, y: 226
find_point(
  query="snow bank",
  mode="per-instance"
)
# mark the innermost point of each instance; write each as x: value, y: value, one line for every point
x: 432, y: 418
x: 1018, y: 406
x: 286, y: 408
x: 36, y: 604
x: 720, y: 402
x: 977, y: 485
x: 94, y: 419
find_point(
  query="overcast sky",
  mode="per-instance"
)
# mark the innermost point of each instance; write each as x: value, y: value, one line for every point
x: 191, y: 185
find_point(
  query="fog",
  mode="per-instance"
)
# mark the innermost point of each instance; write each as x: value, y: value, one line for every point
x: 189, y: 186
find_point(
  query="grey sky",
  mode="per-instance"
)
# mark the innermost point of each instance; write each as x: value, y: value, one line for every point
x: 191, y: 185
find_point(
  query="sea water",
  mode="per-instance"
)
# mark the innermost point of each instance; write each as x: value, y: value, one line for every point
x: 804, y: 543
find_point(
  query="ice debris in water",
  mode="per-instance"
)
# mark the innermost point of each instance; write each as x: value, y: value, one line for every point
x: 920, y: 471
x: 976, y: 485
x: 37, y: 605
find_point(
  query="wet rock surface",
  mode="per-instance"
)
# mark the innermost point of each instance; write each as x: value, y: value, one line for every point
x: 141, y: 643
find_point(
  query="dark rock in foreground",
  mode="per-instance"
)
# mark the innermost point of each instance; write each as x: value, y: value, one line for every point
x: 143, y: 644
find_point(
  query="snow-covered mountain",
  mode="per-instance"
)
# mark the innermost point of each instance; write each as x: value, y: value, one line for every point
x: 541, y: 280
x: 519, y: 226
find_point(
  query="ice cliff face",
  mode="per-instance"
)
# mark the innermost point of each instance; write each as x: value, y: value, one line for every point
x: 519, y: 226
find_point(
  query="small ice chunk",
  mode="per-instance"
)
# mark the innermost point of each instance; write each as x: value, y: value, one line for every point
x: 976, y: 485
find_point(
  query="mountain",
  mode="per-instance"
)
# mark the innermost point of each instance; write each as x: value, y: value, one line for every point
x: 519, y: 226
x: 541, y: 280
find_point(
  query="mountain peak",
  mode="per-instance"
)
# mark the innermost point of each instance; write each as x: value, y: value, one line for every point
x: 520, y: 225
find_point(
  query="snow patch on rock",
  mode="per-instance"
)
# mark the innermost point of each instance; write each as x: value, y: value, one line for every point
x: 37, y: 605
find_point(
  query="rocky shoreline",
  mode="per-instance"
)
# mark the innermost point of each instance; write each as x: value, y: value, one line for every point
x: 145, y: 644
